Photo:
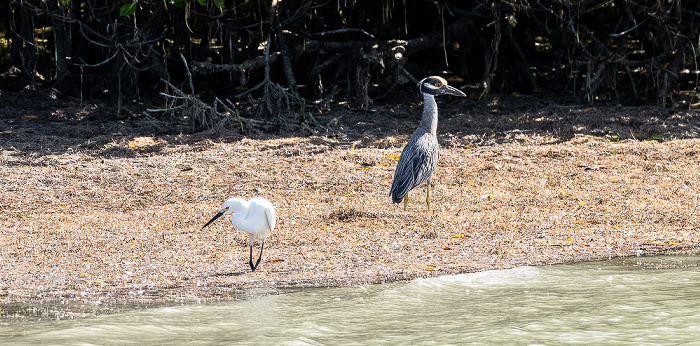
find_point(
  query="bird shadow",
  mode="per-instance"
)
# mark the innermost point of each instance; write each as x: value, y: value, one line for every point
x: 228, y: 274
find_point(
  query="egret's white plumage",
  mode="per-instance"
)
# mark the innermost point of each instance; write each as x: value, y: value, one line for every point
x: 255, y: 217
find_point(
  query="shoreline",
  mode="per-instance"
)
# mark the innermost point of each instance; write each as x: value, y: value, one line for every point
x: 52, y: 308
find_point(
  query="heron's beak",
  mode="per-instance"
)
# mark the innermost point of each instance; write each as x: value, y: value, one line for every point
x: 214, y: 218
x: 450, y: 90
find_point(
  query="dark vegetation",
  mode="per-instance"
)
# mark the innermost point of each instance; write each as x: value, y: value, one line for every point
x: 276, y: 64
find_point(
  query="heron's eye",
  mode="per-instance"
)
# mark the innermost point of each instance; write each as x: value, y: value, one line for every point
x: 438, y: 85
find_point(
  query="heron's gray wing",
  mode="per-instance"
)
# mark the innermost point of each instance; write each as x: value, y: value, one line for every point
x: 403, y: 177
x: 424, y: 161
x: 416, y: 164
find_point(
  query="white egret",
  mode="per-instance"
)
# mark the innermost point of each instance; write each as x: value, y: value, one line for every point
x: 255, y: 217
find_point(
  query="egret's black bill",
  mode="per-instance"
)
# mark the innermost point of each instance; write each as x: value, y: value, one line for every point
x: 450, y: 90
x: 213, y: 218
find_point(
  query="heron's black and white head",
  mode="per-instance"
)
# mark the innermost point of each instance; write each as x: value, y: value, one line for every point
x: 436, y: 85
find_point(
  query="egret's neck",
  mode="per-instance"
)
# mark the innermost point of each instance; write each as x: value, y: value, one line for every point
x: 241, y: 221
x: 430, y: 114
x: 240, y: 209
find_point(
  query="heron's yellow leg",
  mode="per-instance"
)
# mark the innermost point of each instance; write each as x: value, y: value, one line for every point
x: 427, y: 197
x: 405, y: 202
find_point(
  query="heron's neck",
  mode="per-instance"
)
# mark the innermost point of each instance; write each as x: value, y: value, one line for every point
x: 430, y: 114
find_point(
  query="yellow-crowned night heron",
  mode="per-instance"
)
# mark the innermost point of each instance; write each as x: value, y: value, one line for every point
x: 420, y: 156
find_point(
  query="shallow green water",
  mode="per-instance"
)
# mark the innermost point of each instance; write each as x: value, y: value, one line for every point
x: 649, y: 300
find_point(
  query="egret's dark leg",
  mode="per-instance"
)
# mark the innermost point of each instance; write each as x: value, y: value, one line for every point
x: 405, y: 201
x: 262, y: 246
x: 250, y: 259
